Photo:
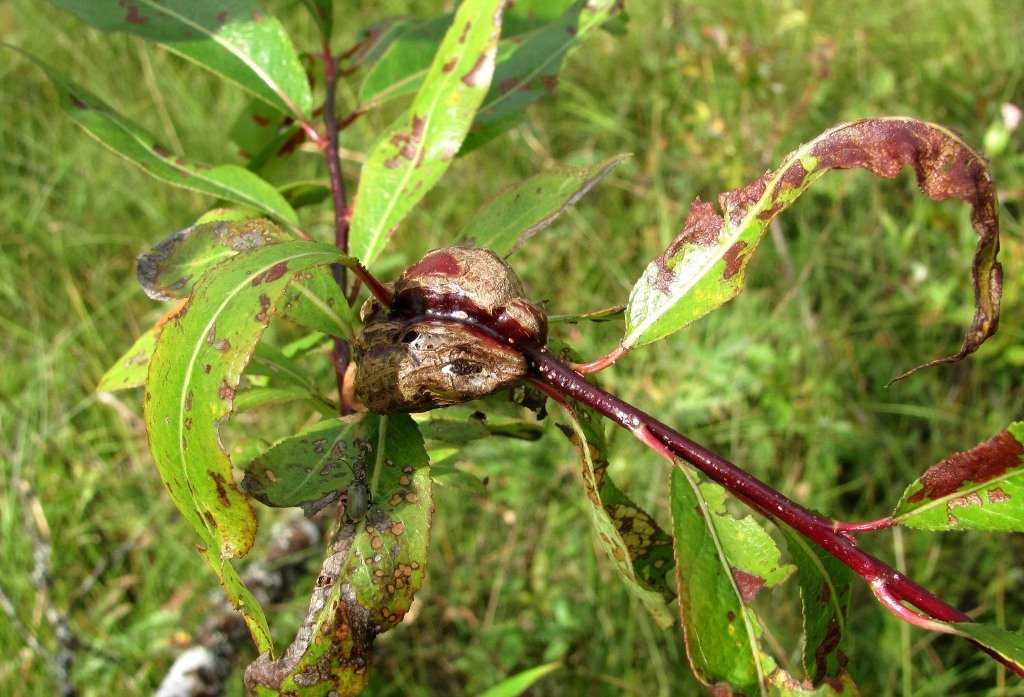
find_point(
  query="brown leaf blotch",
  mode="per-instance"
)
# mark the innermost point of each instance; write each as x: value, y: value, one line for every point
x: 272, y: 274
x: 824, y: 649
x: 734, y: 259
x: 749, y: 585
x: 221, y: 484
x: 990, y: 460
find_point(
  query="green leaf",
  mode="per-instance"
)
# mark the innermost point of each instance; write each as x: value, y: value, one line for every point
x: 754, y: 558
x: 315, y: 301
x: 402, y: 48
x: 323, y: 14
x: 520, y: 682
x: 129, y: 140
x: 531, y: 69
x: 375, y: 41
x: 193, y: 376
x: 633, y: 541
x: 525, y: 16
x: 704, y: 266
x: 311, y: 469
x: 256, y: 398
x: 276, y: 365
x: 522, y: 210
x: 305, y: 193
x: 255, y: 127
x: 172, y: 268
x: 825, y: 585
x: 367, y: 584
x: 235, y: 39
x: 402, y: 68
x: 460, y: 426
x: 981, y: 489
x: 1009, y: 645
x: 721, y: 634
x: 410, y: 158
x: 131, y: 369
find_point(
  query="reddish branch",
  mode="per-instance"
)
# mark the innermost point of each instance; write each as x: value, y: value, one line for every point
x: 340, y: 354
x: 894, y: 590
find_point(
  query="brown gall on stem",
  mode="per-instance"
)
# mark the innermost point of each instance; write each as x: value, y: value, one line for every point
x: 424, y: 353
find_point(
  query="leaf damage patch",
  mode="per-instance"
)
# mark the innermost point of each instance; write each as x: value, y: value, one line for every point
x: 988, y: 461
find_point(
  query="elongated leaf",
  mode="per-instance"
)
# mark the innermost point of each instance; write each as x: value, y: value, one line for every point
x: 521, y: 211
x: 704, y: 267
x: 235, y: 39
x: 132, y: 142
x: 412, y: 155
x: 192, y: 380
x: 315, y: 301
x: 1009, y: 645
x: 721, y: 635
x: 172, y: 268
x: 273, y: 363
x: 825, y: 585
x: 256, y: 398
x: 531, y: 70
x: 520, y: 682
x: 375, y: 41
x: 637, y: 546
x: 461, y: 425
x: 193, y: 376
x: 981, y: 489
x: 401, y: 48
x: 404, y: 65
x: 367, y: 584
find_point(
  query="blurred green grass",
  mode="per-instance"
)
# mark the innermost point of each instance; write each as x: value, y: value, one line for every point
x: 863, y: 279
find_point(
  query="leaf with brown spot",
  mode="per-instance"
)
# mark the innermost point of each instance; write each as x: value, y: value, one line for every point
x: 722, y: 634
x: 194, y: 372
x: 172, y: 267
x: 317, y: 302
x: 132, y: 369
x: 981, y: 489
x: 529, y: 69
x: 639, y: 548
x: 311, y: 469
x: 413, y: 154
x: 705, y: 264
x: 825, y: 592
x: 375, y: 567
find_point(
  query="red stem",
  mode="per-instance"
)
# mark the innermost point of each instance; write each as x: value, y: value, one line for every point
x: 340, y: 355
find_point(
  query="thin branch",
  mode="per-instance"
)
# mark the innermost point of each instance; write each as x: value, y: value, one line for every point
x: 340, y: 355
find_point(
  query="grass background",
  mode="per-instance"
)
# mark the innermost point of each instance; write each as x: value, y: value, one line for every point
x: 860, y: 280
